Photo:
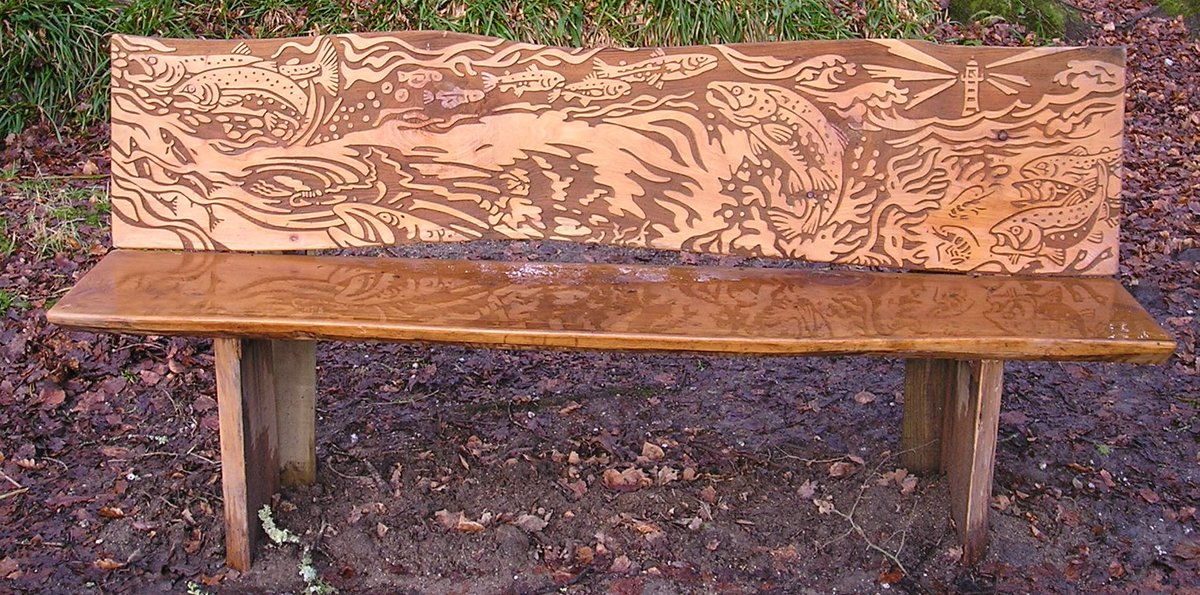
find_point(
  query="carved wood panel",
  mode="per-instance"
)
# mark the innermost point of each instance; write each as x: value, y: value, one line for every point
x: 894, y: 153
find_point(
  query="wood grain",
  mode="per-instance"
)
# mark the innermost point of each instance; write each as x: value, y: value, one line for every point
x: 249, y: 460
x: 928, y: 385
x: 295, y: 375
x: 873, y: 152
x: 699, y: 309
x: 969, y: 451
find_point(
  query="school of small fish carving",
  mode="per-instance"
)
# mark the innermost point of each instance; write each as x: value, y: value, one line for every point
x: 360, y: 140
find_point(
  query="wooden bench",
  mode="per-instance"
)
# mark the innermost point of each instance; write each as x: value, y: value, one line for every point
x: 999, y: 164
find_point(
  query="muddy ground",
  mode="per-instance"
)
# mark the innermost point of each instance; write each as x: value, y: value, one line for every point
x: 458, y: 470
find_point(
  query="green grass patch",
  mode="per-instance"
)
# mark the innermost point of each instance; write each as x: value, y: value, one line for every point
x: 10, y: 300
x: 54, y: 59
x: 1047, y: 19
x: 57, y: 212
x: 8, y: 243
x: 1189, y: 9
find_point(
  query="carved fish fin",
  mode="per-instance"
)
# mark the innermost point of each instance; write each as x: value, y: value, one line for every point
x: 519, y: 91
x: 822, y: 180
x: 757, y: 146
x: 555, y: 93
x: 777, y: 132
x: 1057, y: 255
x: 242, y: 49
x: 228, y: 100
x: 328, y: 76
x: 600, y: 64
x: 1078, y: 151
x: 489, y: 81
x: 427, y: 97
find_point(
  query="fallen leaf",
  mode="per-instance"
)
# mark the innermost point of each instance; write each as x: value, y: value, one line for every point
x: 841, y: 469
x: 89, y: 168
x: 457, y: 521
x: 864, y: 397
x: 381, y: 530
x: 1148, y: 495
x: 807, y: 490
x: 652, y: 452
x: 584, y: 555
x: 111, y: 512
x: 108, y: 564
x: 708, y: 494
x: 824, y: 505
x: 891, y: 576
x: 1187, y: 550
x: 623, y: 565
x: 629, y: 480
x: 531, y: 523
x: 665, y: 475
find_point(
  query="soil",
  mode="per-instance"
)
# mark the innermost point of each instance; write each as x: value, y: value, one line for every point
x: 458, y: 470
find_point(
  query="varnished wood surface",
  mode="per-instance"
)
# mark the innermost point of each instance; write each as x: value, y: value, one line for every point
x: 295, y: 373
x: 768, y: 311
x: 969, y: 450
x: 877, y: 152
x: 928, y: 385
x: 249, y: 441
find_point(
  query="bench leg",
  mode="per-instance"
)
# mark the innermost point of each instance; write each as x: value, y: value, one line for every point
x: 928, y: 385
x: 249, y: 456
x: 295, y: 410
x: 972, y: 417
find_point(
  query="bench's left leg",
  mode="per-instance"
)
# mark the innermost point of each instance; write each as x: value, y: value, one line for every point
x: 249, y: 455
x: 969, y: 449
x: 928, y: 386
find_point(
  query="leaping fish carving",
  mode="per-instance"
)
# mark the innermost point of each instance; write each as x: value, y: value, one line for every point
x: 1050, y: 230
x: 277, y: 95
x: 781, y: 122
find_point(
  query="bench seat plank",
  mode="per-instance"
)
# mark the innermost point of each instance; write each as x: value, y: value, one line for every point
x: 600, y: 306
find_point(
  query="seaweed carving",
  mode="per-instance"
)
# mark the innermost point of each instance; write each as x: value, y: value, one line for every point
x: 893, y: 153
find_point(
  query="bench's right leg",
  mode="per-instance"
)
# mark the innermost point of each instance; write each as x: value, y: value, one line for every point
x: 249, y: 455
x: 295, y: 410
x: 969, y: 450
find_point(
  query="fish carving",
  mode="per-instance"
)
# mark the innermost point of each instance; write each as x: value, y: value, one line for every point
x: 249, y: 97
x: 656, y: 70
x: 532, y: 79
x: 1050, y: 230
x: 453, y: 98
x: 782, y: 123
x: 591, y: 89
x: 1050, y: 178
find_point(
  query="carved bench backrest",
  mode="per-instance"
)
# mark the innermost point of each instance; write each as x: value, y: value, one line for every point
x: 895, y: 153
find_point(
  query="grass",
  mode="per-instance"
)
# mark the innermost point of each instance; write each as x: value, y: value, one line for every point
x: 54, y: 62
x: 1045, y: 18
x: 8, y: 244
x: 57, y: 212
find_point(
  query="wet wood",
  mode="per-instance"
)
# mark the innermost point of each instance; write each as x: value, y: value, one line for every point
x: 249, y: 460
x: 295, y: 375
x: 730, y: 310
x: 875, y: 152
x: 928, y: 385
x: 969, y: 450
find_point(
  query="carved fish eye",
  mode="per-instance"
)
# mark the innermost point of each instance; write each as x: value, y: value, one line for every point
x: 737, y: 90
x: 1015, y: 230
